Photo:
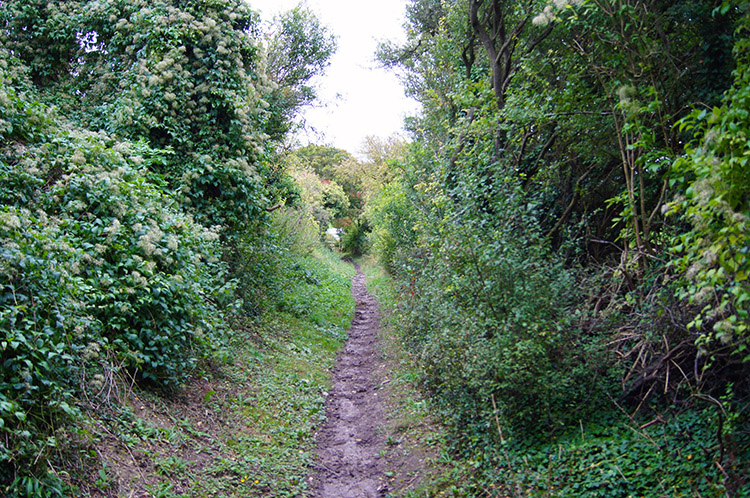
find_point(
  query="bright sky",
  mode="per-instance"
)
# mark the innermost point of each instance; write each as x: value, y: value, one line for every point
x: 359, y: 98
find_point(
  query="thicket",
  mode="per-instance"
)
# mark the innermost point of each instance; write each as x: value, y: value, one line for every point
x: 569, y: 231
x: 335, y: 186
x: 139, y: 205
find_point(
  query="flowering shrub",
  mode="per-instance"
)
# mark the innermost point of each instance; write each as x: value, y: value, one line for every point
x: 101, y: 272
x: 713, y: 176
x: 189, y: 81
x: 180, y: 76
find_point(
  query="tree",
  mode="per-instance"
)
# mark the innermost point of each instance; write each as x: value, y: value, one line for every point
x: 328, y: 163
x: 185, y: 76
x: 644, y: 92
x: 377, y: 167
x: 298, y: 49
x: 499, y: 26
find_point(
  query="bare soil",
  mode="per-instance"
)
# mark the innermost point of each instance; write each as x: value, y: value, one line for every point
x: 359, y: 447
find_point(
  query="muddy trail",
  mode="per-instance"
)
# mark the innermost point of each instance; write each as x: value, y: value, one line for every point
x: 352, y: 442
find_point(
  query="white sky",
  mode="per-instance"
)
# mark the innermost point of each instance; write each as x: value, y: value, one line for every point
x: 359, y: 98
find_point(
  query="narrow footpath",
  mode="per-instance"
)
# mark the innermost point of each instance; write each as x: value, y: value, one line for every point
x: 350, y: 444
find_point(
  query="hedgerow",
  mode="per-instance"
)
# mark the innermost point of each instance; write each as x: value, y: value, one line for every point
x: 102, y: 275
x: 136, y: 181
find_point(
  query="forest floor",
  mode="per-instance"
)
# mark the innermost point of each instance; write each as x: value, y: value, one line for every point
x: 363, y: 448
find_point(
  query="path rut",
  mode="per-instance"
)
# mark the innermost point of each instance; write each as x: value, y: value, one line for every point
x: 350, y: 444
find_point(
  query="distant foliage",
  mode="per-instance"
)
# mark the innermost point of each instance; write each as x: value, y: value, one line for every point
x: 324, y: 200
x: 355, y: 241
x: 394, y: 235
x: 335, y: 194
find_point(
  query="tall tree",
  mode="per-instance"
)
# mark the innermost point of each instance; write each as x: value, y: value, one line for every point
x: 299, y: 48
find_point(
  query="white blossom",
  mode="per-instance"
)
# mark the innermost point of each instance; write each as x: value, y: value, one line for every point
x: 10, y: 220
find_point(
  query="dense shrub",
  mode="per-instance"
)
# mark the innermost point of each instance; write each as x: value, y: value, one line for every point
x: 544, y: 285
x: 101, y: 273
x: 489, y: 309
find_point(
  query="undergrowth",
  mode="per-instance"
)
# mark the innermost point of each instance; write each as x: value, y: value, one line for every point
x: 696, y: 449
x: 245, y: 427
x: 673, y: 455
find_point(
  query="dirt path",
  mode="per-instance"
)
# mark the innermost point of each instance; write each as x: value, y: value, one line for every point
x: 351, y: 443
